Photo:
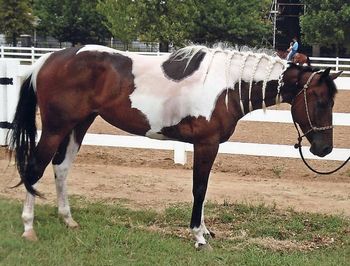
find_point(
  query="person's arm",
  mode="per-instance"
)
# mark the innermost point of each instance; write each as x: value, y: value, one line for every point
x: 295, y: 46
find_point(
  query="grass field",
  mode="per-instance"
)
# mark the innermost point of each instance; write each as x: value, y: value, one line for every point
x: 111, y: 234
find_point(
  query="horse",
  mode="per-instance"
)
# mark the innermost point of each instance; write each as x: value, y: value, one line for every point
x: 195, y: 95
x: 298, y: 58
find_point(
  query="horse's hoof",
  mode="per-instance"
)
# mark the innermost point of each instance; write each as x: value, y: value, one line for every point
x: 71, y: 223
x: 30, y: 235
x: 204, y: 247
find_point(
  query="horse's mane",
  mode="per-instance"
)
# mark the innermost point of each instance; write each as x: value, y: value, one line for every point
x: 190, y: 51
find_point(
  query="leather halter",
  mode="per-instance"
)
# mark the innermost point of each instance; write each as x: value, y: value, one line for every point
x: 312, y: 129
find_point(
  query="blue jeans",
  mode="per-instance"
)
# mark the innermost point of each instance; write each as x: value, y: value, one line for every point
x: 290, y: 55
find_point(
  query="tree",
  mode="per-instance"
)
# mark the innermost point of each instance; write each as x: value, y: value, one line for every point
x: 120, y: 19
x: 234, y: 21
x: 326, y: 23
x: 15, y: 18
x: 75, y: 21
x: 179, y: 21
x: 166, y: 21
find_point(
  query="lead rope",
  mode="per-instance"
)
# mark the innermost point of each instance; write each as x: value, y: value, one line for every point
x: 298, y: 146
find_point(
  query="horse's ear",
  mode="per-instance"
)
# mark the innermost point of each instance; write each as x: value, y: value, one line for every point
x: 335, y: 75
x: 326, y: 72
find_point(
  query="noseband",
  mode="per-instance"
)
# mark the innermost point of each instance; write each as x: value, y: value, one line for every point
x: 312, y: 129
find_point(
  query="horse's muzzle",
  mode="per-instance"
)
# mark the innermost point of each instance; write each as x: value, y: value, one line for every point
x: 321, y: 150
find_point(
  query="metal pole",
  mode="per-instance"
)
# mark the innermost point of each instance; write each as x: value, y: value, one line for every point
x: 274, y: 23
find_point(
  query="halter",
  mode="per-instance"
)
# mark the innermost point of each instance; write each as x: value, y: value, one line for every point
x: 312, y: 129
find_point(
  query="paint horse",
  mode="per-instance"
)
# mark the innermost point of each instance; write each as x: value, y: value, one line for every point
x: 298, y: 58
x: 195, y: 95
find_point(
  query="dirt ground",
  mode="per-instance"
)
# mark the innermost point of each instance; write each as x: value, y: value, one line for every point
x: 149, y: 178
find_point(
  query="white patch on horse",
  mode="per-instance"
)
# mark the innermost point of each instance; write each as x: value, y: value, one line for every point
x: 28, y: 217
x: 61, y: 172
x: 165, y: 102
x: 198, y: 233
x: 35, y: 68
x: 28, y: 212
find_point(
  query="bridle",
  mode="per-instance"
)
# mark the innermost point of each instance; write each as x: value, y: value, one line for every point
x: 312, y: 128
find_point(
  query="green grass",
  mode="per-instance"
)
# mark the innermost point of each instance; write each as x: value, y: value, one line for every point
x: 115, y: 235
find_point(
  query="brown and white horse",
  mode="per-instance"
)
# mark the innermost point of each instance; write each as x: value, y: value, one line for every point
x: 298, y: 58
x: 194, y: 95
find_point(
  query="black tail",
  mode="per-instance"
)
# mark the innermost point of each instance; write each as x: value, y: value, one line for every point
x: 23, y: 135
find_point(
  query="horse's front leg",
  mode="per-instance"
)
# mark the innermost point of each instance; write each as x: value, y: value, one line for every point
x: 204, y: 156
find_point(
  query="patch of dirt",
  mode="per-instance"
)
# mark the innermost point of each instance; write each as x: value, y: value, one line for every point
x: 289, y: 245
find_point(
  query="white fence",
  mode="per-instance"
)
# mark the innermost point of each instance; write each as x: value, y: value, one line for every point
x: 30, y: 54
x: 9, y: 97
x: 336, y: 63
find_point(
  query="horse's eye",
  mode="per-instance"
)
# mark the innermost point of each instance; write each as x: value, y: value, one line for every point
x: 325, y: 104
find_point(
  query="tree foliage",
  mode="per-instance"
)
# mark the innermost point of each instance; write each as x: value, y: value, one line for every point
x: 120, y: 19
x: 326, y: 22
x: 75, y: 21
x: 15, y: 18
x: 180, y: 21
x: 239, y: 22
x: 166, y: 21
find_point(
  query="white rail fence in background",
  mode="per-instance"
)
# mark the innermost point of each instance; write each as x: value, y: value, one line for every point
x: 12, y: 68
x: 30, y: 54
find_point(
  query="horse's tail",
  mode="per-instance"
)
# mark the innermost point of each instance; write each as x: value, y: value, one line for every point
x: 23, y: 133
x: 22, y: 136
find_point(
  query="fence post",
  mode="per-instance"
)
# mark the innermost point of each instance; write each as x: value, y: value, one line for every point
x: 2, y: 51
x: 33, y: 54
x: 3, y: 103
x: 337, y: 63
x: 180, y: 155
x: 13, y: 90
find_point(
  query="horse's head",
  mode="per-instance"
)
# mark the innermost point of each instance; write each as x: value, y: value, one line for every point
x: 311, y: 94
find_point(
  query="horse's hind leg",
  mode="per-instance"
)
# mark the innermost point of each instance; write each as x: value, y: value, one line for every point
x: 61, y: 164
x: 28, y: 217
x: 44, y: 152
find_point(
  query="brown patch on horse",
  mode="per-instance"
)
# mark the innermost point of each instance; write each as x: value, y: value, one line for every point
x: 100, y: 83
x: 179, y: 69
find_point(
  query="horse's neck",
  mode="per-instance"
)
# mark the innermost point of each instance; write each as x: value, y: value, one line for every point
x: 257, y: 99
x: 259, y: 81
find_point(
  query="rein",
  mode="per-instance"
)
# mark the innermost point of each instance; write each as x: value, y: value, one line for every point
x: 312, y: 129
